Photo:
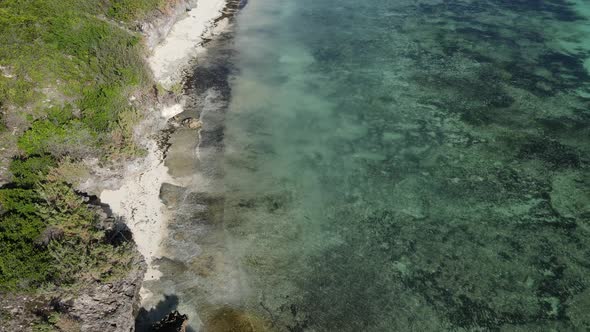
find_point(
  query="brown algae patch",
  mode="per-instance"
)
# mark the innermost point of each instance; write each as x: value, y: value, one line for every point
x: 228, y: 319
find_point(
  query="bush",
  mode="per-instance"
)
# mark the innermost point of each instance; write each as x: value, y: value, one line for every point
x: 121, y: 142
x: 100, y: 262
x: 101, y: 106
x: 23, y: 263
x: 36, y: 140
x: 129, y: 10
x: 95, y: 63
x: 45, y: 137
x: 18, y: 201
x: 68, y: 171
x: 28, y: 172
x: 65, y: 210
x: 65, y: 53
x: 49, y: 234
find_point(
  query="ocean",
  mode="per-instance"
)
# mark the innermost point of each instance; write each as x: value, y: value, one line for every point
x: 389, y: 165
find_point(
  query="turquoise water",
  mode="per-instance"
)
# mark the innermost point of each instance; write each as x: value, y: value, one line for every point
x: 397, y: 165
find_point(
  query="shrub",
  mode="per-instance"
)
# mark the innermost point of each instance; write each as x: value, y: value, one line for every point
x: 129, y: 10
x: 48, y: 234
x: 100, y: 262
x: 101, y: 105
x: 29, y: 171
x: 122, y: 142
x: 23, y: 263
x: 94, y: 62
x: 65, y: 210
x: 46, y: 137
x: 68, y: 171
x: 18, y: 201
x: 36, y: 139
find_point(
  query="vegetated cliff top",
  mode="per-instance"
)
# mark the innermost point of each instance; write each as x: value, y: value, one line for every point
x: 72, y: 82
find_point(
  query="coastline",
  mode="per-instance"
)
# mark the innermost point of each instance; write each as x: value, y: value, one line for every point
x: 137, y: 199
x: 185, y: 41
x: 198, y: 278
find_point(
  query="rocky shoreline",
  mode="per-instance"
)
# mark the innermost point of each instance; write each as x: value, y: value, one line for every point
x: 126, y: 196
x: 193, y: 268
x: 138, y: 199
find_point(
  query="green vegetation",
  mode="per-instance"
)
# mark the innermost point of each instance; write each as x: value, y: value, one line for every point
x: 128, y: 10
x: 49, y: 234
x: 68, y: 70
x: 56, y: 322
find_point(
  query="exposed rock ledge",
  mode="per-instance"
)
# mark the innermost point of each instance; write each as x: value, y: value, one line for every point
x: 108, y: 307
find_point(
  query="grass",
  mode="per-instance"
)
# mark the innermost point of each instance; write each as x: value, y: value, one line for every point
x: 65, y: 53
x: 130, y: 10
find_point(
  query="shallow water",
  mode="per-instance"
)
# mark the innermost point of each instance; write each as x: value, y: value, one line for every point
x: 393, y: 166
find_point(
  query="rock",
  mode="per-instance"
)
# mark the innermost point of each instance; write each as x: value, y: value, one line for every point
x: 108, y: 307
x: 192, y: 123
x: 174, y: 322
x: 174, y: 122
x: 49, y: 234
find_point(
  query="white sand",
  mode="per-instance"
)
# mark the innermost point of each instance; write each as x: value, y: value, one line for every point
x: 184, y: 41
x: 138, y: 198
x: 138, y: 202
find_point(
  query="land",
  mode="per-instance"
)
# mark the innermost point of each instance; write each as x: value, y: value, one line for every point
x: 79, y: 106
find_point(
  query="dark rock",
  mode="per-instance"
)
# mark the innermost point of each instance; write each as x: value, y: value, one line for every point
x: 49, y: 234
x: 174, y: 322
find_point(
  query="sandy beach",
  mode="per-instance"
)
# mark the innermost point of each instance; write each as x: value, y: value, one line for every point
x: 185, y: 41
x: 137, y: 200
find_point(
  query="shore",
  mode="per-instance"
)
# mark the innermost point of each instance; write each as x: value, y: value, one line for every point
x: 137, y: 200
x: 185, y: 41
